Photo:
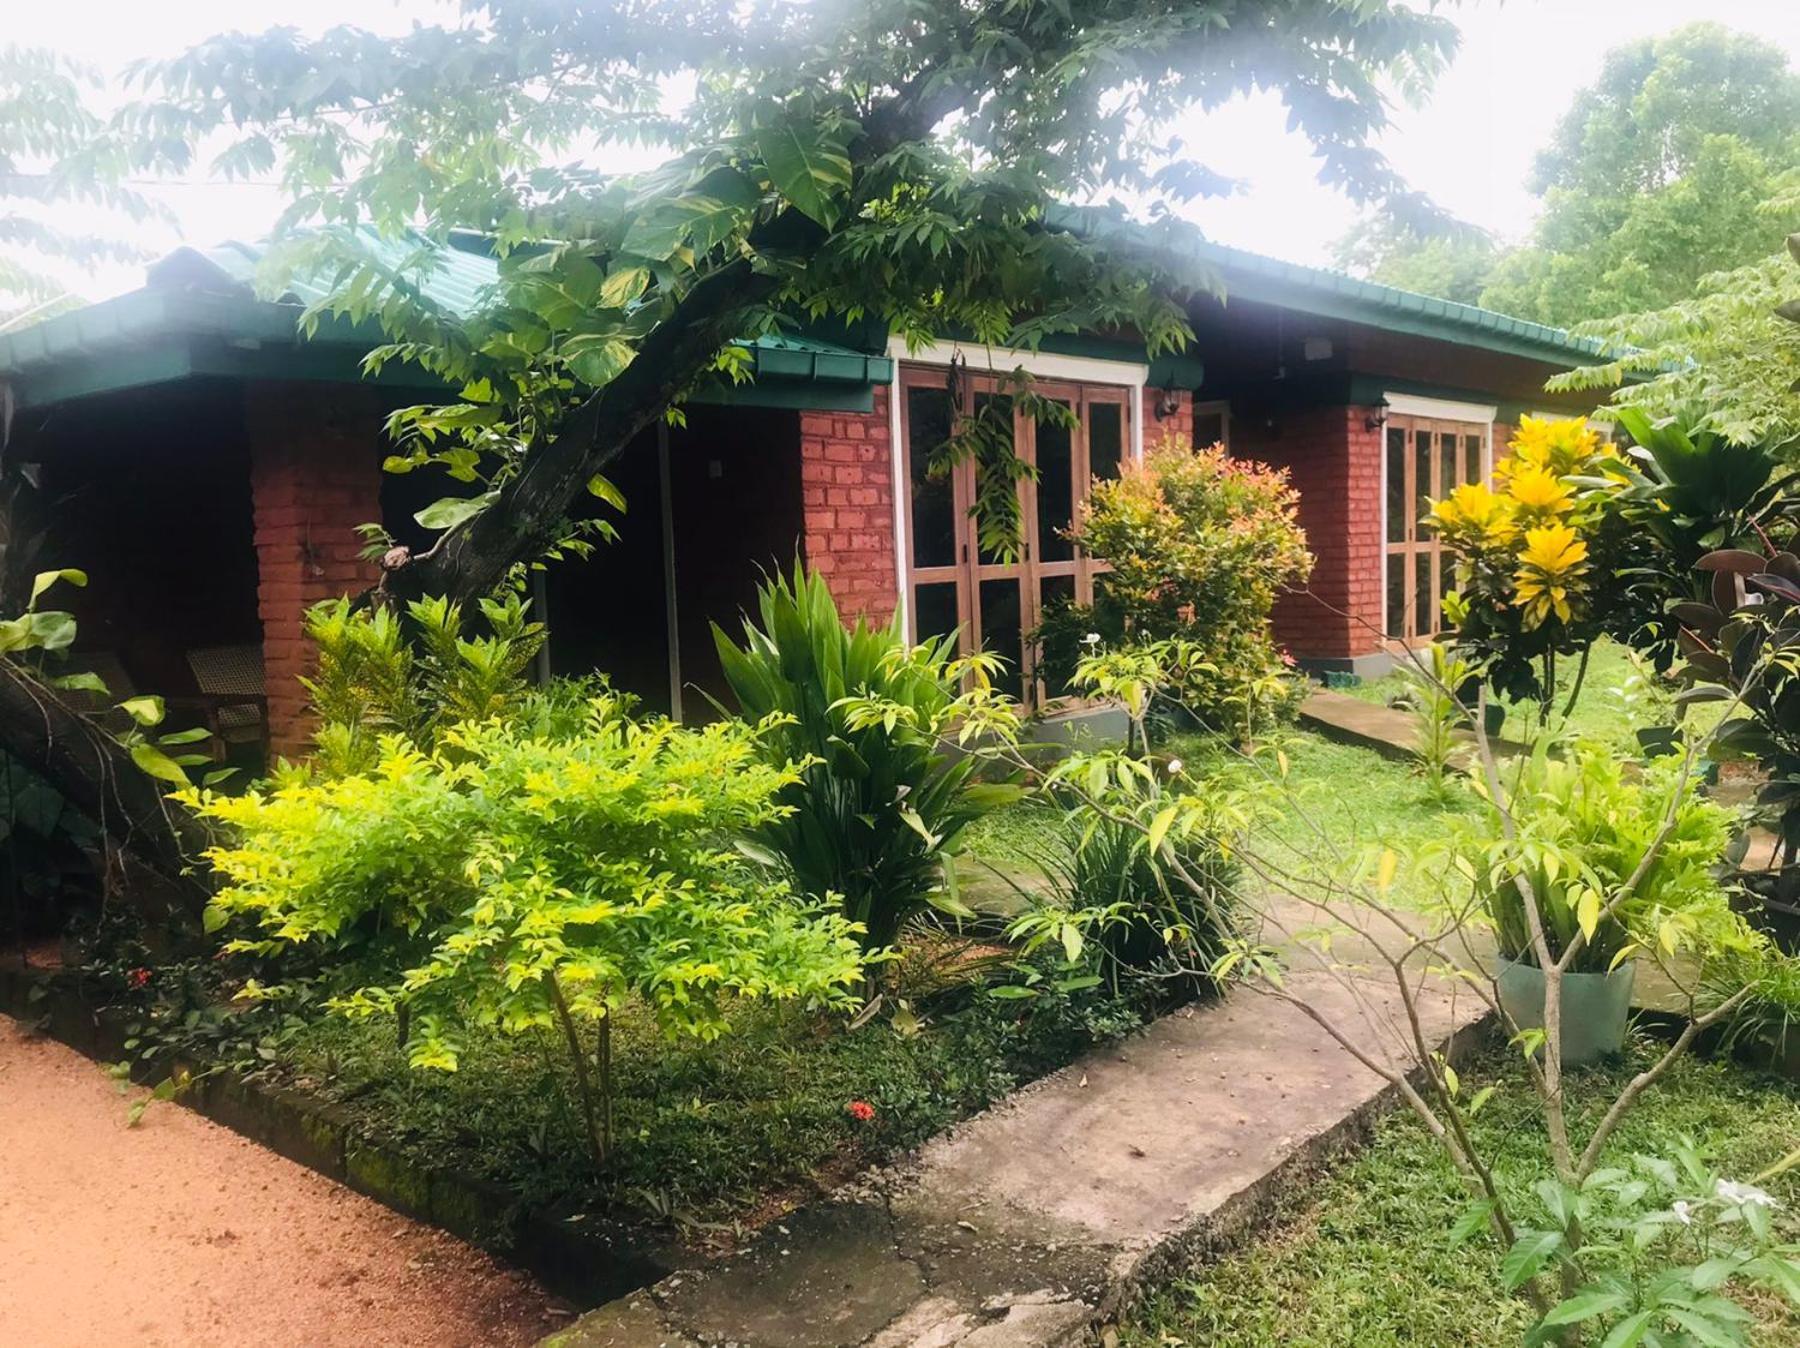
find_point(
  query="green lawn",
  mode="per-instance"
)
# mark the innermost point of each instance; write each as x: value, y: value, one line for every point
x: 1620, y: 695
x: 1360, y: 1260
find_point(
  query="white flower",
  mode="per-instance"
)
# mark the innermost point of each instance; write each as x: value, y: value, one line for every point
x: 1744, y: 1195
x: 1091, y: 639
x: 1174, y: 766
x: 1683, y: 1212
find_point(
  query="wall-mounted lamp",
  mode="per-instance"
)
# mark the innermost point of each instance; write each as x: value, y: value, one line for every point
x: 1378, y: 418
x: 1168, y: 403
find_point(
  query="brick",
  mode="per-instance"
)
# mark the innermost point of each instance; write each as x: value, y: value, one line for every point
x: 314, y: 476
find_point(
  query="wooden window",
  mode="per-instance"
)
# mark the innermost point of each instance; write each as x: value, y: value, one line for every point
x: 1422, y: 460
x: 952, y: 583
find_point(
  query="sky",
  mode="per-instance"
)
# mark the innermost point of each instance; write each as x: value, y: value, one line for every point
x: 1469, y: 145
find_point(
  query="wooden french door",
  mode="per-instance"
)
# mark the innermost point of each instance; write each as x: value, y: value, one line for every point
x: 955, y: 584
x: 1425, y: 459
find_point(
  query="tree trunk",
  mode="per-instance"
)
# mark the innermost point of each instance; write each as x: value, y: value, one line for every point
x: 524, y: 521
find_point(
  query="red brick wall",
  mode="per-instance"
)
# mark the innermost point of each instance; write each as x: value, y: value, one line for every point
x: 1503, y: 434
x: 847, y: 486
x: 1334, y: 461
x: 314, y: 476
x: 1179, y: 424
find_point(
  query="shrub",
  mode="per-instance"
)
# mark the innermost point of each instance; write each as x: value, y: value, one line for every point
x: 878, y: 804
x: 1526, y: 581
x: 375, y: 677
x: 1135, y: 912
x: 536, y: 883
x: 1581, y: 831
x: 1200, y: 545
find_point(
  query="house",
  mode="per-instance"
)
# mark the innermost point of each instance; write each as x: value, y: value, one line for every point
x: 209, y: 468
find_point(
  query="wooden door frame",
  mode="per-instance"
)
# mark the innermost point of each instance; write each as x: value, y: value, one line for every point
x: 967, y: 572
x: 1418, y: 542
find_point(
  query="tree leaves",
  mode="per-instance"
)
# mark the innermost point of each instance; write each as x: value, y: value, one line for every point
x: 1527, y: 1256
x: 449, y: 511
x: 811, y: 172
x: 597, y: 361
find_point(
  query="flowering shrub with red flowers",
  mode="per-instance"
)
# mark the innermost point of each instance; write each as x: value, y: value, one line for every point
x: 860, y: 1110
x: 1200, y: 545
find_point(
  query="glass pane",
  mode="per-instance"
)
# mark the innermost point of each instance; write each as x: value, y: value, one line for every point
x: 1472, y: 457
x: 1447, y: 460
x: 1209, y: 428
x: 933, y: 498
x: 1422, y: 479
x: 1106, y: 438
x: 998, y: 408
x: 1396, y: 594
x: 934, y: 609
x: 1396, y: 485
x: 1425, y: 619
x: 1055, y: 492
x: 1055, y: 666
x: 1000, y: 631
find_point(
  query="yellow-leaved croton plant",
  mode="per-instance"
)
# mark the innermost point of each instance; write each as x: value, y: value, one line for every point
x: 1522, y: 541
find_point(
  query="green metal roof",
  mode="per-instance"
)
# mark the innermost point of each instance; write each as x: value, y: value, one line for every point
x: 198, y: 314
x: 1180, y: 245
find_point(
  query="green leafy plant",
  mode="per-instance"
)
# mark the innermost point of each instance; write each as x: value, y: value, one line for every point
x: 1435, y: 687
x: 381, y: 674
x: 1200, y: 544
x: 1115, y: 906
x: 1616, y: 866
x: 1659, y: 1252
x: 539, y: 883
x: 878, y: 802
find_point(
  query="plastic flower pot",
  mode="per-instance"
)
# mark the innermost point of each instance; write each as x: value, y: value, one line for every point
x: 1595, y: 1007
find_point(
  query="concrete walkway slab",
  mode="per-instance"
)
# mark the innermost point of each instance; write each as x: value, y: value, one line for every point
x: 1034, y: 1223
x: 1384, y: 730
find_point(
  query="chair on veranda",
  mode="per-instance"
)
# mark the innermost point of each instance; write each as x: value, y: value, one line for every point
x: 233, y: 697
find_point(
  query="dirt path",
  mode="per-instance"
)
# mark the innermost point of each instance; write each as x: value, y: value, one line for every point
x: 181, y: 1234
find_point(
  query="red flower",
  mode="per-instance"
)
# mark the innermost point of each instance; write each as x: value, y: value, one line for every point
x: 138, y: 978
x: 860, y: 1110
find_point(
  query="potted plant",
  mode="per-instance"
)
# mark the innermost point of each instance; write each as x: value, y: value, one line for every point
x: 1570, y: 841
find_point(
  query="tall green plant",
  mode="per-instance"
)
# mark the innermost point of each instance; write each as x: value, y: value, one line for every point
x: 376, y: 677
x: 536, y: 882
x: 880, y: 803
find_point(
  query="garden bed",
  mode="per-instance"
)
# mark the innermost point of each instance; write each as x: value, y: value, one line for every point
x: 714, y: 1140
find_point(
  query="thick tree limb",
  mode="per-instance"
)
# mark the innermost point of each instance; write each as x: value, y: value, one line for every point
x: 473, y: 558
x: 152, y: 845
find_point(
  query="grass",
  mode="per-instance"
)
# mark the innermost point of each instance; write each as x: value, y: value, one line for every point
x: 706, y: 1133
x: 1620, y: 695
x: 1337, y: 808
x: 1362, y: 1258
